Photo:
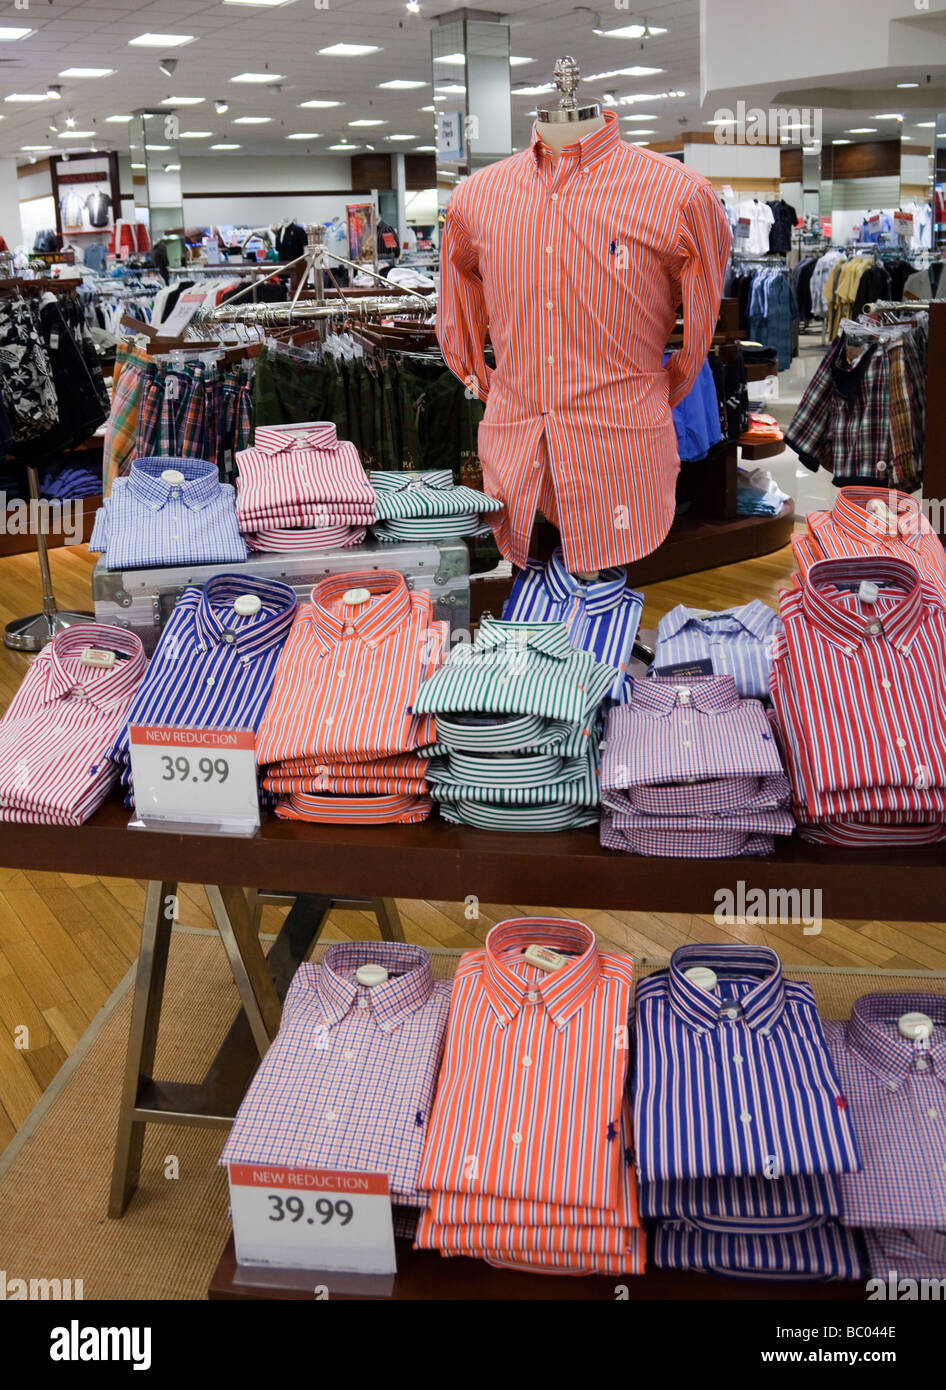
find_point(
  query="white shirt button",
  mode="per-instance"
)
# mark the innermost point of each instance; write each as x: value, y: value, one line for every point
x: 211, y: 680
x: 885, y: 684
x: 732, y: 1013
x: 330, y: 1117
x: 554, y: 197
x: 737, y: 1058
x: 922, y: 1064
x: 933, y: 1114
x: 349, y: 632
x: 517, y: 1138
x: 901, y: 743
x: 746, y: 1118
x: 873, y: 629
x: 348, y: 1056
x: 765, y: 1032
x: 527, y: 1061
x: 532, y: 997
x: 363, y: 1004
x: 549, y: 304
x: 550, y: 360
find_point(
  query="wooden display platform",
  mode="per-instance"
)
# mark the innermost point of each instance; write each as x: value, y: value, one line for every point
x: 424, y: 1275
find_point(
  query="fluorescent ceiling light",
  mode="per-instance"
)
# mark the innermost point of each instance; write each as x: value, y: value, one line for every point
x: 195, y: 135
x: 530, y: 91
x: 424, y: 149
x: 862, y: 130
x: 371, y: 120
x: 400, y: 137
x: 139, y: 166
x: 842, y: 142
x: 182, y: 101
x: 888, y: 116
x: 27, y: 96
x: 318, y: 104
x: 401, y: 84
x: 629, y: 31
x: 160, y: 40
x: 252, y: 120
x: 9, y: 35
x: 639, y: 131
x: 226, y: 147
x: 925, y: 125
x: 86, y: 72
x: 77, y: 135
x: 115, y: 120
x: 622, y: 72
x: 272, y: 3
x: 36, y: 147
x: 259, y: 77
x: 640, y: 142
x: 304, y: 135
x: 449, y: 88
x: 350, y: 50
x: 731, y: 120
x: 426, y: 108
x: 455, y: 60
x: 172, y: 168
x: 641, y: 116
x: 908, y: 84
x: 347, y: 148
x: 515, y: 62
x: 157, y: 147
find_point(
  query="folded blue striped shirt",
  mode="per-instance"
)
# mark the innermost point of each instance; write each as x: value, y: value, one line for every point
x: 736, y: 642
x: 828, y: 1251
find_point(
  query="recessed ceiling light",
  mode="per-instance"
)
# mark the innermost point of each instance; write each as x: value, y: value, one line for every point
x: 524, y: 91
x: 77, y: 135
x: 888, y: 116
x: 9, y: 35
x: 86, y: 72
x: 157, y: 147
x: 252, y: 120
x: 350, y: 50
x: 908, y: 84
x: 424, y: 149
x: 925, y: 125
x: 400, y: 137
x: 36, y: 147
x: 638, y: 131
x: 401, y: 84
x: 640, y: 142
x: 27, y: 96
x: 259, y: 77
x: 139, y: 166
x: 182, y: 101
x: 842, y: 142
x: 449, y: 88
x: 426, y: 108
x: 349, y: 149
x: 629, y: 31
x: 304, y: 135
x: 195, y: 135
x: 515, y: 62
x: 455, y: 60
x: 369, y: 120
x: 226, y: 147
x: 862, y: 130
x: 115, y: 120
x: 172, y: 168
x: 318, y: 104
x: 160, y: 40
x: 730, y: 120
x: 622, y: 72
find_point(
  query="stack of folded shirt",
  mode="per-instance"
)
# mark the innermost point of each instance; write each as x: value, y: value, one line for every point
x: 691, y: 770
x: 168, y: 511
x: 428, y: 505
x: 741, y: 1125
x: 343, y: 736
x: 866, y: 521
x: 517, y: 729
x: 601, y: 615
x: 859, y: 689
x: 734, y: 642
x: 214, y: 666
x: 56, y: 734
x: 894, y: 1079
x: 349, y: 1080
x: 299, y: 487
x: 528, y: 1160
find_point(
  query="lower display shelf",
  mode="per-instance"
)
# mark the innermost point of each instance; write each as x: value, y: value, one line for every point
x: 425, y: 1275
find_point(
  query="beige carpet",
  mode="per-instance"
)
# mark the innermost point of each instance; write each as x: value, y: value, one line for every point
x: 54, y: 1178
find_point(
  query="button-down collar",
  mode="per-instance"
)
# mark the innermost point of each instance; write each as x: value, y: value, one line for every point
x: 562, y: 991
x: 587, y: 151
x: 598, y: 595
x: 760, y: 1008
x: 278, y: 439
x: 216, y: 622
x: 371, y: 622
x: 872, y: 1034
x: 100, y: 686
x: 549, y: 638
x: 408, y: 988
x: 755, y: 617
x: 658, y: 695
x: 200, y: 486
x: 899, y: 622
x: 437, y: 479
x: 901, y: 521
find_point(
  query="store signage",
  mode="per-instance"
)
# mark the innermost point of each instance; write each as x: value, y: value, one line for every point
x: 903, y: 223
x: 312, y: 1218
x: 743, y: 228
x: 826, y: 226
x: 182, y: 313
x: 195, y: 778
x: 450, y: 136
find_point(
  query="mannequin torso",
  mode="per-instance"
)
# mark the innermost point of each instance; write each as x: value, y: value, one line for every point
x: 558, y: 134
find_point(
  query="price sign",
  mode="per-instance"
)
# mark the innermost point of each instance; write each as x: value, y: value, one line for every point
x: 903, y: 223
x: 185, y: 309
x: 743, y: 228
x: 196, y: 777
x: 312, y: 1218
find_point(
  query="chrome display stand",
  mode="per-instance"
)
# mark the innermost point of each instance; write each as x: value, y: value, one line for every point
x: 32, y: 634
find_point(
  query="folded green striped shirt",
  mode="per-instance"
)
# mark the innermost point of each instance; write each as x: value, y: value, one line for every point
x: 429, y: 492
x: 486, y: 817
x: 518, y: 668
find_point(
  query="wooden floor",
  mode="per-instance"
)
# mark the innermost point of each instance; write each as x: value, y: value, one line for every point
x: 66, y: 940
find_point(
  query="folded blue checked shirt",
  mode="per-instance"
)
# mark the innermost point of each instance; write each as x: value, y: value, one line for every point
x: 148, y: 521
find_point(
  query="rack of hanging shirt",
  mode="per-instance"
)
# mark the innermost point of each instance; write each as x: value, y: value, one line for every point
x: 863, y: 414
x: 768, y: 310
x: 863, y: 272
